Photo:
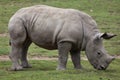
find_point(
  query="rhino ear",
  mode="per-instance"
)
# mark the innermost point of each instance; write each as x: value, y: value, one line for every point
x: 107, y: 35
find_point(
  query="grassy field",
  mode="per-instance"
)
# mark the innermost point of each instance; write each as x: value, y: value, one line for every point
x: 41, y: 71
x: 105, y: 12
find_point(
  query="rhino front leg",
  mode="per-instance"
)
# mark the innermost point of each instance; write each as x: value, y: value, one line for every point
x: 63, y: 49
x: 75, y: 56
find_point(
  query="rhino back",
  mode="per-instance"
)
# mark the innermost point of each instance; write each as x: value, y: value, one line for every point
x: 46, y: 26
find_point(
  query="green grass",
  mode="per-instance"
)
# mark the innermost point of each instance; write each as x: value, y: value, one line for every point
x: 4, y: 46
x: 105, y: 12
x: 37, y: 51
x: 45, y: 70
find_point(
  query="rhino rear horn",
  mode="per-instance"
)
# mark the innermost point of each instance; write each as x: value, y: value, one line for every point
x: 107, y: 35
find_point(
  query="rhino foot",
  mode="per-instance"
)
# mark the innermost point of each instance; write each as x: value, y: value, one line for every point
x: 60, y: 68
x: 26, y: 66
x: 16, y: 68
x: 78, y: 67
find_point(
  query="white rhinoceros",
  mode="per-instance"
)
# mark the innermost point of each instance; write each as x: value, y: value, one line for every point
x: 67, y: 30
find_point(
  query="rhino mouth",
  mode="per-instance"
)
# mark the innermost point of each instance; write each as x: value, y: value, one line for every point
x: 100, y: 67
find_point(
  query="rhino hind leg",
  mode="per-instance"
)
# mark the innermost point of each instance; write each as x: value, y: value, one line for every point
x: 19, y: 52
x: 15, y: 56
x: 75, y: 56
x: 24, y: 61
x: 17, y: 38
x: 63, y: 49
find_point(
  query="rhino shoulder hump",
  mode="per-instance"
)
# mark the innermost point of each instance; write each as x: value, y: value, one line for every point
x: 87, y: 18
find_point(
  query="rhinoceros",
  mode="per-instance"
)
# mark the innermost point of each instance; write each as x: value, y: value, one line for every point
x: 68, y: 30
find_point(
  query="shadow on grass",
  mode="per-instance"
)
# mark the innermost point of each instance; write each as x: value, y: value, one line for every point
x: 34, y: 68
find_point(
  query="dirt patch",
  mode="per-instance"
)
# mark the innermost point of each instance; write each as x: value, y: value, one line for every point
x: 117, y: 56
x: 42, y: 58
x: 6, y: 58
x: 3, y: 34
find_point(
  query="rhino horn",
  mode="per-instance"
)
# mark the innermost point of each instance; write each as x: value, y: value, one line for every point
x: 110, y: 59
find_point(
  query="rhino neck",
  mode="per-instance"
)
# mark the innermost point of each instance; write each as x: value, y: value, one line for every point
x: 89, y: 36
x: 89, y: 33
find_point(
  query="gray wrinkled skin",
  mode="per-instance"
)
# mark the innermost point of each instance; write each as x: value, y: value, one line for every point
x: 67, y: 30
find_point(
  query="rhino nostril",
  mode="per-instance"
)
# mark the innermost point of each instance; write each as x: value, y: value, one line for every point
x: 102, y: 67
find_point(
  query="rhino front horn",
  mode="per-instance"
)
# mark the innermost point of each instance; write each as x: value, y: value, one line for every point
x: 111, y: 58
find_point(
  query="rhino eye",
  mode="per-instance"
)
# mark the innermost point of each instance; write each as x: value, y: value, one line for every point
x: 98, y: 53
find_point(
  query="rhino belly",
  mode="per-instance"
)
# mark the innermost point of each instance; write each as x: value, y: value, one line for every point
x: 43, y: 40
x: 42, y: 35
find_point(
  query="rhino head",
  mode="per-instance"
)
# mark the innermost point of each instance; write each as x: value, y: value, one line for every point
x: 96, y: 52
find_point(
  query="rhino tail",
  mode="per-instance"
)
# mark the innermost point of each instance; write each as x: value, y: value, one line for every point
x: 10, y: 42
